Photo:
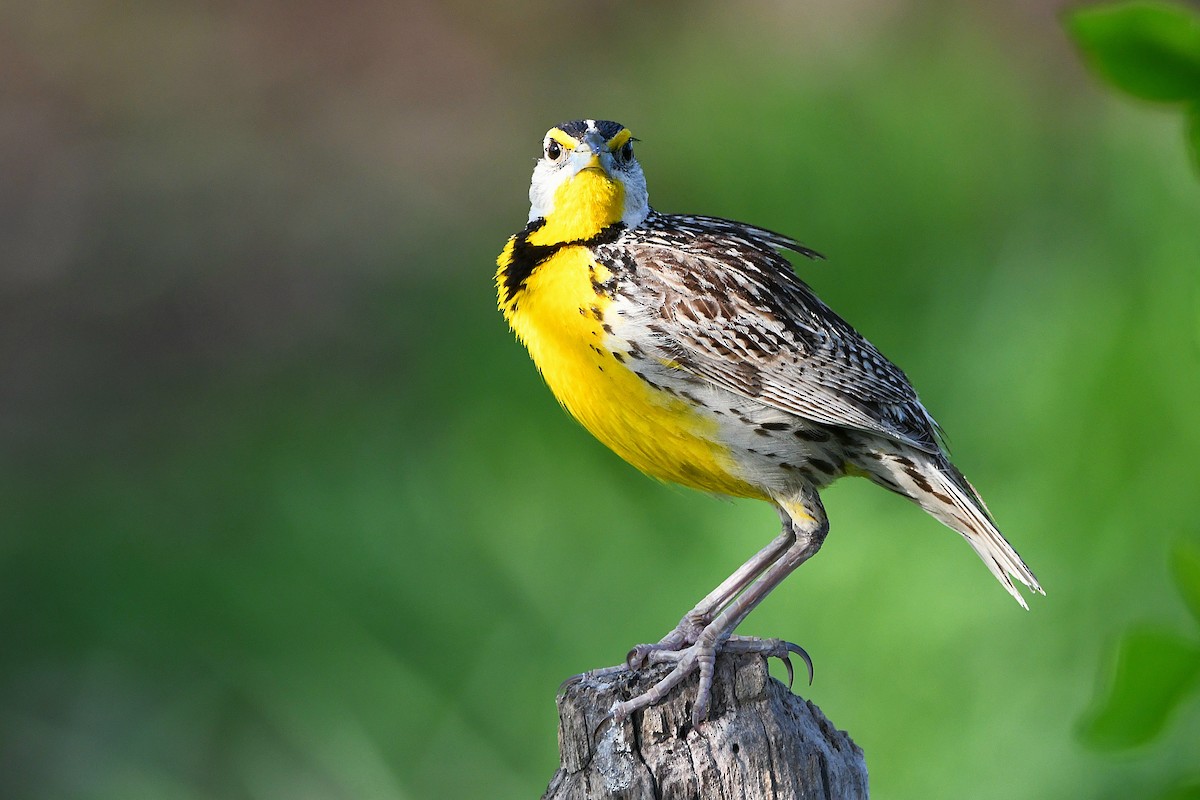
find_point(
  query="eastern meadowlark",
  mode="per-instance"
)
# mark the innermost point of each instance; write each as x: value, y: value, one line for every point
x: 688, y: 345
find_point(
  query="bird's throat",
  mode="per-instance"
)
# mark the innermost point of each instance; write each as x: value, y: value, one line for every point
x: 583, y: 206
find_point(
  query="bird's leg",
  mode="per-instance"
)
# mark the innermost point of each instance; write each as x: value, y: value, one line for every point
x: 696, y: 620
x: 808, y: 528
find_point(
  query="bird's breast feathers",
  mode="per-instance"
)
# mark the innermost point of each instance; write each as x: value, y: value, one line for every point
x: 570, y: 318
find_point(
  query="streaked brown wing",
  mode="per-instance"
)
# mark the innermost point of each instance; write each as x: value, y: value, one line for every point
x: 731, y: 310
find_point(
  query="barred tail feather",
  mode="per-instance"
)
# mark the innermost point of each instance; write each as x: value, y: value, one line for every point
x: 968, y: 515
x: 938, y: 487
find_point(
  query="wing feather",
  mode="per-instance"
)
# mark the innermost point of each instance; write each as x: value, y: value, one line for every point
x: 728, y: 307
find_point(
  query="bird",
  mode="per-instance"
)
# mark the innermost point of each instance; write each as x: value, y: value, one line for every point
x: 689, y: 346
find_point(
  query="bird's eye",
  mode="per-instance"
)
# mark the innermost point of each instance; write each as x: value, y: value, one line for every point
x: 554, y: 150
x: 625, y: 153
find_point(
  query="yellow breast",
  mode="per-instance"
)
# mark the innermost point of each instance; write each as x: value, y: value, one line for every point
x: 559, y: 317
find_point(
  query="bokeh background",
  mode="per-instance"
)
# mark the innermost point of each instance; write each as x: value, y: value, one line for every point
x: 286, y: 513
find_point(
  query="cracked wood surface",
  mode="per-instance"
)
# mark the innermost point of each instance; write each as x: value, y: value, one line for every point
x: 760, y: 741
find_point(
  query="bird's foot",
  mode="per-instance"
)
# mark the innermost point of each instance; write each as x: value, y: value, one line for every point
x: 700, y: 656
x: 686, y: 633
x: 771, y: 648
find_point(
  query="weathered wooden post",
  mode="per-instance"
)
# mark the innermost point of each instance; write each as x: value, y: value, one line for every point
x: 760, y: 741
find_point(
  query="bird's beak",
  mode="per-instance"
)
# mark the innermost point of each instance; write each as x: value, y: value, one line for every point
x: 590, y: 154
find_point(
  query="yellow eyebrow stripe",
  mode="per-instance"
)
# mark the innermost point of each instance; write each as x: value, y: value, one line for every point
x: 620, y: 139
x: 565, y: 139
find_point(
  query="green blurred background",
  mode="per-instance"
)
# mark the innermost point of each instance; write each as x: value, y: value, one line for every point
x: 286, y: 512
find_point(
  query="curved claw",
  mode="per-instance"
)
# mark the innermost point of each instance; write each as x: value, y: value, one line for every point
x: 636, y: 658
x: 787, y: 662
x: 562, y: 687
x: 609, y: 717
x: 800, y: 651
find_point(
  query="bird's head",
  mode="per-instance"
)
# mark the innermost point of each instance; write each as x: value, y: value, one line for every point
x: 587, y: 179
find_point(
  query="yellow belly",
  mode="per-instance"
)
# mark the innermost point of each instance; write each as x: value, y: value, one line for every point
x: 559, y: 317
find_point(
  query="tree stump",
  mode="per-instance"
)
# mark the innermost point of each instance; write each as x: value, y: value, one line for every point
x: 760, y: 741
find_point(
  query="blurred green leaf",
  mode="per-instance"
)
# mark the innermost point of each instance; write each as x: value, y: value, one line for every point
x: 1154, y: 670
x: 1151, y: 50
x: 1185, y: 567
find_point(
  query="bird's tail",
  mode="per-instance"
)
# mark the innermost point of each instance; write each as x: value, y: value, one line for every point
x: 938, y: 487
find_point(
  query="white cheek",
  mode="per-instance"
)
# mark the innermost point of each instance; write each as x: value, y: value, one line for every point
x: 546, y: 180
x: 637, y: 200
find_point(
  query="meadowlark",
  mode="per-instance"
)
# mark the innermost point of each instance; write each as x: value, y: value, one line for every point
x: 689, y: 346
